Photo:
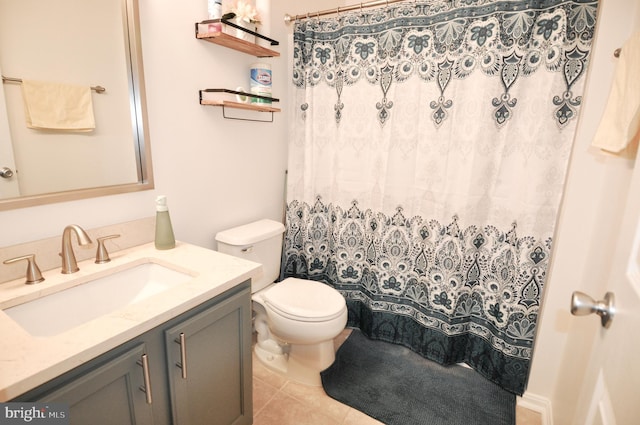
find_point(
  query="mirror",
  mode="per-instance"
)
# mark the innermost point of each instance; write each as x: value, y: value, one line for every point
x: 76, y: 42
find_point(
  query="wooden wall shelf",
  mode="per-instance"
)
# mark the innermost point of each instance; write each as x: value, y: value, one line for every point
x: 235, y: 43
x: 238, y: 105
x: 226, y: 103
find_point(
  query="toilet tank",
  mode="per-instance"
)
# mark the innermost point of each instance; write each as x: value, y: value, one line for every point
x: 261, y: 242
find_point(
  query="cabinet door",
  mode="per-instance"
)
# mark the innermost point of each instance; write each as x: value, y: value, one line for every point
x: 209, y: 365
x: 109, y: 394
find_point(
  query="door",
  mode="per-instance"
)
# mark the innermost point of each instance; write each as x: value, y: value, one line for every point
x: 614, y: 361
x: 8, y: 175
x: 614, y: 364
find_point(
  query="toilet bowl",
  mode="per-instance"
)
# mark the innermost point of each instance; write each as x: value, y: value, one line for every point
x: 295, y: 320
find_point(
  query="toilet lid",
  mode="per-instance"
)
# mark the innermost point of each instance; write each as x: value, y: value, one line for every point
x: 305, y: 300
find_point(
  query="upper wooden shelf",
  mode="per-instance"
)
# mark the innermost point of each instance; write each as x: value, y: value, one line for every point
x: 235, y: 43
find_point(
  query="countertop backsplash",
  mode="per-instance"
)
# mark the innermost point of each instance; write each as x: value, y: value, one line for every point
x: 132, y: 233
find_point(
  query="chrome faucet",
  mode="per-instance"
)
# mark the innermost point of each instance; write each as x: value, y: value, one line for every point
x: 69, y: 263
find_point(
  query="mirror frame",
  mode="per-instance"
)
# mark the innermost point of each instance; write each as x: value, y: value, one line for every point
x: 137, y: 96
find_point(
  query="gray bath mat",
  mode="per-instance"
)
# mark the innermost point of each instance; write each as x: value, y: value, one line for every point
x: 398, y: 387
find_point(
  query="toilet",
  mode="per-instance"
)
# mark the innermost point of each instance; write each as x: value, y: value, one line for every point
x: 296, y: 320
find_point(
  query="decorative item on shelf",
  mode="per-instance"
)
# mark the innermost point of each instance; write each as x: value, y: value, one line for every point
x: 214, y: 10
x: 241, y: 97
x: 261, y: 82
x: 245, y: 15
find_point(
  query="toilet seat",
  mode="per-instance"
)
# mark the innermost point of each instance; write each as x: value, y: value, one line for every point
x: 305, y: 300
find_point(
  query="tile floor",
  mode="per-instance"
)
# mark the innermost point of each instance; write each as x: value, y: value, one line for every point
x: 278, y: 401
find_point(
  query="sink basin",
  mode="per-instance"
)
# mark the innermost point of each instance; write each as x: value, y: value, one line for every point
x: 64, y: 310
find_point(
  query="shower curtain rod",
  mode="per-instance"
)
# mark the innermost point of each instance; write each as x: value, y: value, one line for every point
x: 288, y: 18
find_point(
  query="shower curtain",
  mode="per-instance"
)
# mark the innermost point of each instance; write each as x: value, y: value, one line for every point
x: 428, y: 151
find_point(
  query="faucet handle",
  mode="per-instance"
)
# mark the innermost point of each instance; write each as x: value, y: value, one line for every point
x: 102, y: 256
x: 33, y: 272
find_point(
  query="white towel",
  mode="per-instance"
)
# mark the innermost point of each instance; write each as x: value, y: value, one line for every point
x: 620, y: 123
x: 55, y: 106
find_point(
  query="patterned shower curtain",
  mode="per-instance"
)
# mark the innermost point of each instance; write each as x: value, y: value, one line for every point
x: 428, y: 152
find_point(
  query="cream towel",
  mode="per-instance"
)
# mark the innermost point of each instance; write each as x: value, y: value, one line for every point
x: 54, y: 106
x: 621, y: 120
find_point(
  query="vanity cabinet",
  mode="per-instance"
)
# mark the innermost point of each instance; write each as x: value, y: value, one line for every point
x: 109, y: 394
x: 198, y: 371
x: 210, y: 366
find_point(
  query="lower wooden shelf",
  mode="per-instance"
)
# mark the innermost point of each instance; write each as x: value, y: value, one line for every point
x: 220, y: 97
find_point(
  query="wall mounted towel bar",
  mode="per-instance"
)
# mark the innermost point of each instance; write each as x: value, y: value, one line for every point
x: 97, y: 89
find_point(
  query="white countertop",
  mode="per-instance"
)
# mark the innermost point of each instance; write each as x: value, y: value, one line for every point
x: 27, y: 361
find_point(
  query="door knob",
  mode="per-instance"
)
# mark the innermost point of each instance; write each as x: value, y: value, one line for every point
x: 6, y: 172
x: 582, y: 305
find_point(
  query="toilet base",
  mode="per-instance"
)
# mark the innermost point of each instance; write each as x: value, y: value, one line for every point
x: 302, y: 363
x: 274, y: 362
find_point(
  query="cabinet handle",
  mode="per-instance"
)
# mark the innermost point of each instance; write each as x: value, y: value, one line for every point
x: 146, y: 388
x: 183, y: 354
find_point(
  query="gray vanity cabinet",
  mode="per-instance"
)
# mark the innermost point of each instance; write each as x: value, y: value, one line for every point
x: 209, y: 369
x: 117, y: 381
x: 198, y: 370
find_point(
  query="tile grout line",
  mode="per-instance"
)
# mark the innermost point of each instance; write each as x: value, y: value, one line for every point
x: 255, y: 414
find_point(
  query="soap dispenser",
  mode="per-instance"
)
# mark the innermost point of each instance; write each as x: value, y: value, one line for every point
x: 164, y: 231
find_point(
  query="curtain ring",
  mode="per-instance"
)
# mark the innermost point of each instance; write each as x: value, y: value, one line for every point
x: 338, y: 10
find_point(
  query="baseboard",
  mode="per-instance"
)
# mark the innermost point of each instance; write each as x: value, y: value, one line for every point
x: 538, y: 404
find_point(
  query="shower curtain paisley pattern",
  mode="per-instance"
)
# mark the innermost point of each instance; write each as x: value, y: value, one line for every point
x: 428, y: 154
